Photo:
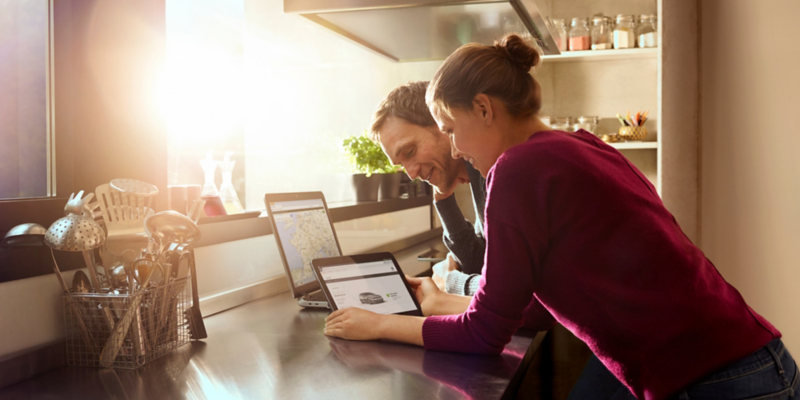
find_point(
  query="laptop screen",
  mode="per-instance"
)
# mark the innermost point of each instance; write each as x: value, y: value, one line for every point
x: 305, y: 234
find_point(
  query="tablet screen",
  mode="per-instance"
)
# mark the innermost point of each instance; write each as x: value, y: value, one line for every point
x: 376, y: 286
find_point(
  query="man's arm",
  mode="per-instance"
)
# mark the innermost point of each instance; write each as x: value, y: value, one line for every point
x: 467, y: 246
x: 457, y: 282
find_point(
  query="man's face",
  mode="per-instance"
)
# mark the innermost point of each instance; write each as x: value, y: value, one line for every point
x: 423, y: 151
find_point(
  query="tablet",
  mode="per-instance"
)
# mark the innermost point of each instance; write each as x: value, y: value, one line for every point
x: 371, y: 282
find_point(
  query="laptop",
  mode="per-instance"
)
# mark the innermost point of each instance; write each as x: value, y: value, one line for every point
x: 303, y: 230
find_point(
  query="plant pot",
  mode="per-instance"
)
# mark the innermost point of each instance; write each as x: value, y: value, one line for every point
x: 390, y: 186
x: 366, y: 188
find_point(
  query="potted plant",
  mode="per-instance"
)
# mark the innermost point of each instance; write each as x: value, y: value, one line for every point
x: 373, y: 170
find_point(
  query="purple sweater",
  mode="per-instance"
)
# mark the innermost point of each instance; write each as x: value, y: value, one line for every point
x: 570, y: 222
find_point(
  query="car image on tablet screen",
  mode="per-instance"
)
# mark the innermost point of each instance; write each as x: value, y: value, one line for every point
x: 370, y: 298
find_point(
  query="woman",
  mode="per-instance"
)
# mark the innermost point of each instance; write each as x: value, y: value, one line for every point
x: 572, y: 223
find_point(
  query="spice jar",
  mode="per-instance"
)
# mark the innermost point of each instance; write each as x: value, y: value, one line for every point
x: 579, y: 37
x: 561, y: 124
x: 646, y: 32
x: 587, y: 123
x: 624, y: 32
x: 561, y: 29
x: 602, y: 37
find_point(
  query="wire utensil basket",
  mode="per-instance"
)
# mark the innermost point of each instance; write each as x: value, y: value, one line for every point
x: 126, y: 331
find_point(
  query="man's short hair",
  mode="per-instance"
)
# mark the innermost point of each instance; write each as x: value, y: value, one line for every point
x: 406, y: 102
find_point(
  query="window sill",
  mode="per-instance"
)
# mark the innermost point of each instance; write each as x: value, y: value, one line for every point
x: 253, y: 224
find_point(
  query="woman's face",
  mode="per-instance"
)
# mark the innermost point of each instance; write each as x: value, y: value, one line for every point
x: 471, y: 136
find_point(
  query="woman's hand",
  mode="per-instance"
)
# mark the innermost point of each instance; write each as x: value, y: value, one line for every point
x: 436, y: 302
x: 426, y: 291
x: 354, y: 324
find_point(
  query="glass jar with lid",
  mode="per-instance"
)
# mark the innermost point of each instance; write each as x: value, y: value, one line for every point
x: 624, y: 32
x: 602, y: 37
x: 579, y: 37
x: 561, y: 124
x: 587, y: 123
x: 560, y: 27
x: 647, y: 31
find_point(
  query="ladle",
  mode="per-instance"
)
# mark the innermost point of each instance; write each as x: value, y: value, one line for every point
x: 24, y: 235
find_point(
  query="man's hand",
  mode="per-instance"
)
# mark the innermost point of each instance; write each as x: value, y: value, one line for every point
x: 442, y: 269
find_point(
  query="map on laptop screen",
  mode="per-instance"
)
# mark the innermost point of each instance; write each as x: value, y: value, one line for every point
x: 306, y: 234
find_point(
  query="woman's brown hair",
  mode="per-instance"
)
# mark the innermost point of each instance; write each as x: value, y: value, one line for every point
x: 500, y: 71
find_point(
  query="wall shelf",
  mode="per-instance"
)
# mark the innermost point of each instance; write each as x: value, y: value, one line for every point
x: 602, y: 55
x: 634, y: 145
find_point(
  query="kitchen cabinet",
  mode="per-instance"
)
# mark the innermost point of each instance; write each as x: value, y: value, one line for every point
x: 660, y: 80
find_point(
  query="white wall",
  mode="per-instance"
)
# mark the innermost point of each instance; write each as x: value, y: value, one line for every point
x: 750, y: 167
x: 308, y: 88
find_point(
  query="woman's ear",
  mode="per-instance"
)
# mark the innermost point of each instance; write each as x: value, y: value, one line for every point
x: 482, y: 104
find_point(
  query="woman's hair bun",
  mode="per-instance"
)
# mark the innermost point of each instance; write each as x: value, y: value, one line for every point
x: 519, y: 51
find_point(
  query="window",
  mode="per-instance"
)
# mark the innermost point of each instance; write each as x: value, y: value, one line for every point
x: 26, y: 137
x: 276, y: 89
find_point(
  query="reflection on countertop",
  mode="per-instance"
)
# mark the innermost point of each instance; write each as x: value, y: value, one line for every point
x: 271, y: 348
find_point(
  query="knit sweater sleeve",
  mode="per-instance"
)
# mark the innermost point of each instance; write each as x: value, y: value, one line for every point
x: 498, y: 308
x: 462, y: 284
x: 460, y: 236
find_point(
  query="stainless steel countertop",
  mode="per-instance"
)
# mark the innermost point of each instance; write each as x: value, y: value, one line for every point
x: 273, y: 349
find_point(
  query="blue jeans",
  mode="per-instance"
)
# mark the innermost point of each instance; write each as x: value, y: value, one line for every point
x: 769, y: 373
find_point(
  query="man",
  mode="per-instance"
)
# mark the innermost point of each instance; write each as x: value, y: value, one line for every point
x: 409, y: 136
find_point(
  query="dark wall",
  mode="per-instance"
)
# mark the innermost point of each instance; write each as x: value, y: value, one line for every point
x: 108, y: 59
x: 110, y: 90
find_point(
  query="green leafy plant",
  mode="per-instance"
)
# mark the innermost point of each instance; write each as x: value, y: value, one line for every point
x: 367, y: 157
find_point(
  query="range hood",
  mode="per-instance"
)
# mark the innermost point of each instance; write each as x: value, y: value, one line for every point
x: 419, y: 30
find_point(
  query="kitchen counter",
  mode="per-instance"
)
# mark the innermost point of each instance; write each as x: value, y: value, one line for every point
x: 272, y: 348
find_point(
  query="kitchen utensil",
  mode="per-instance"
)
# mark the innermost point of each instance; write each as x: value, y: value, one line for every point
x: 145, y: 270
x: 137, y: 334
x: 197, y: 210
x: 172, y: 227
x: 79, y: 233
x: 162, y: 311
x: 24, y: 235
x: 123, y: 214
x: 119, y: 277
x: 117, y: 338
x: 79, y: 205
x: 197, y: 329
x: 86, y: 335
x: 80, y: 283
x: 136, y: 187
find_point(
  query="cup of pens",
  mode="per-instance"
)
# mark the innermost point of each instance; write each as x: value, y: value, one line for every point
x: 632, y: 128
